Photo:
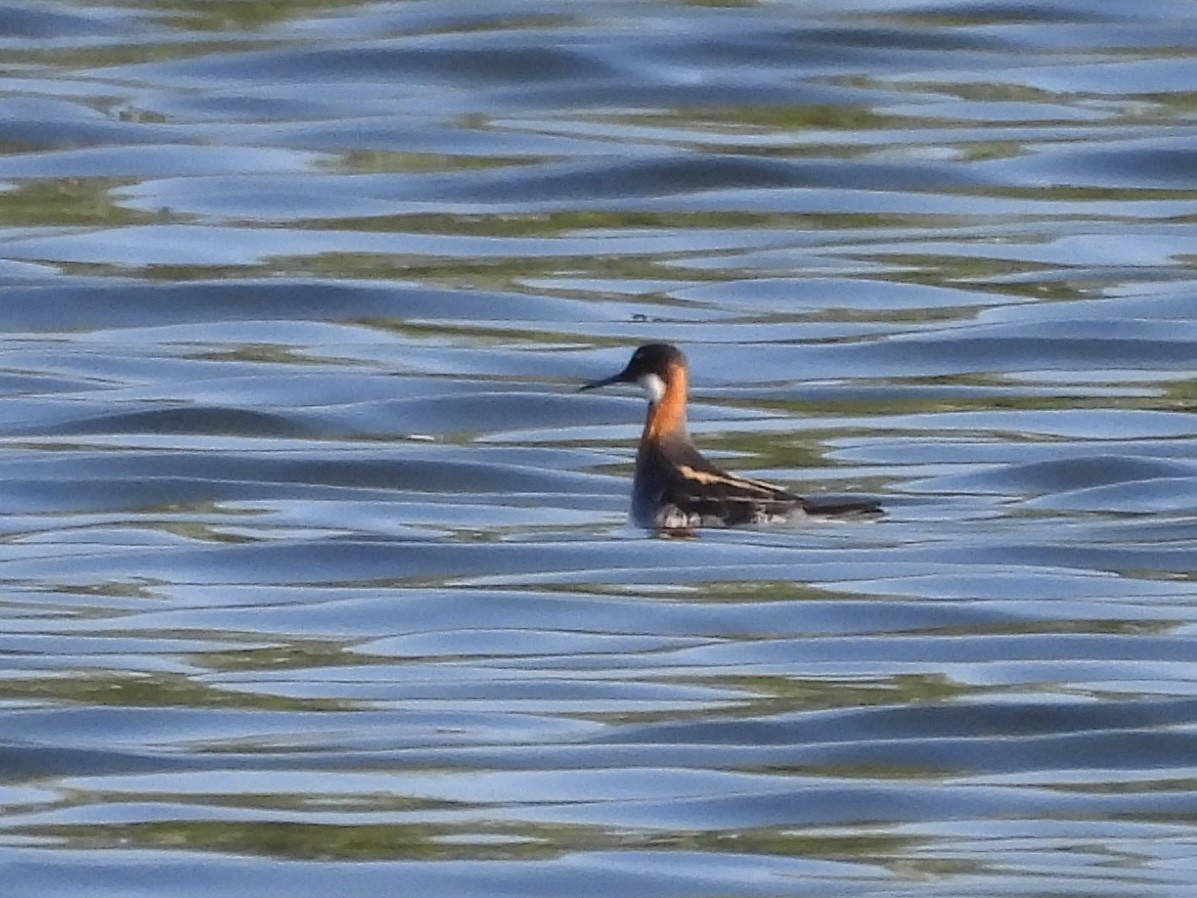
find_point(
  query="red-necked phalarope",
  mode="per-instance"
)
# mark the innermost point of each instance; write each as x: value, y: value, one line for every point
x: 675, y: 487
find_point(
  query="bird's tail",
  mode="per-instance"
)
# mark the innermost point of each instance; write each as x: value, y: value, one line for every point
x: 849, y: 511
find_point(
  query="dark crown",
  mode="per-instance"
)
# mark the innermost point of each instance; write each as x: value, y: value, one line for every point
x: 654, y: 358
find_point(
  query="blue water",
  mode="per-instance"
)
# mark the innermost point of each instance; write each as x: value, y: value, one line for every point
x: 317, y: 576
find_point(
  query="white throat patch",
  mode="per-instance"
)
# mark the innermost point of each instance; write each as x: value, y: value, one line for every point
x: 653, y: 386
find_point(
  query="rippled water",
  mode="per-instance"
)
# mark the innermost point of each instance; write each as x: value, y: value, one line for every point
x: 317, y: 571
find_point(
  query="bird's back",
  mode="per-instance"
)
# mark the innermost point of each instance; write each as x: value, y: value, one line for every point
x: 676, y: 487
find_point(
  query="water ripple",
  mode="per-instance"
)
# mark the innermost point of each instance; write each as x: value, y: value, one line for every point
x: 317, y: 569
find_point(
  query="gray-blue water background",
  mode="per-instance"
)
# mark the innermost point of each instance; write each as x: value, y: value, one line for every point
x: 316, y: 576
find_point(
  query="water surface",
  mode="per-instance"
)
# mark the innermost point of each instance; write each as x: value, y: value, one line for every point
x: 317, y: 574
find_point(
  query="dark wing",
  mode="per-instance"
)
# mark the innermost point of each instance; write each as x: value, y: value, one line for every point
x: 699, y: 488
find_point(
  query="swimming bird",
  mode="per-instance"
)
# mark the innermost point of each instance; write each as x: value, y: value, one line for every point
x: 675, y: 487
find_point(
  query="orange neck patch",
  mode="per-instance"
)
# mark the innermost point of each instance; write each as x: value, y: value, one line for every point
x: 669, y: 415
